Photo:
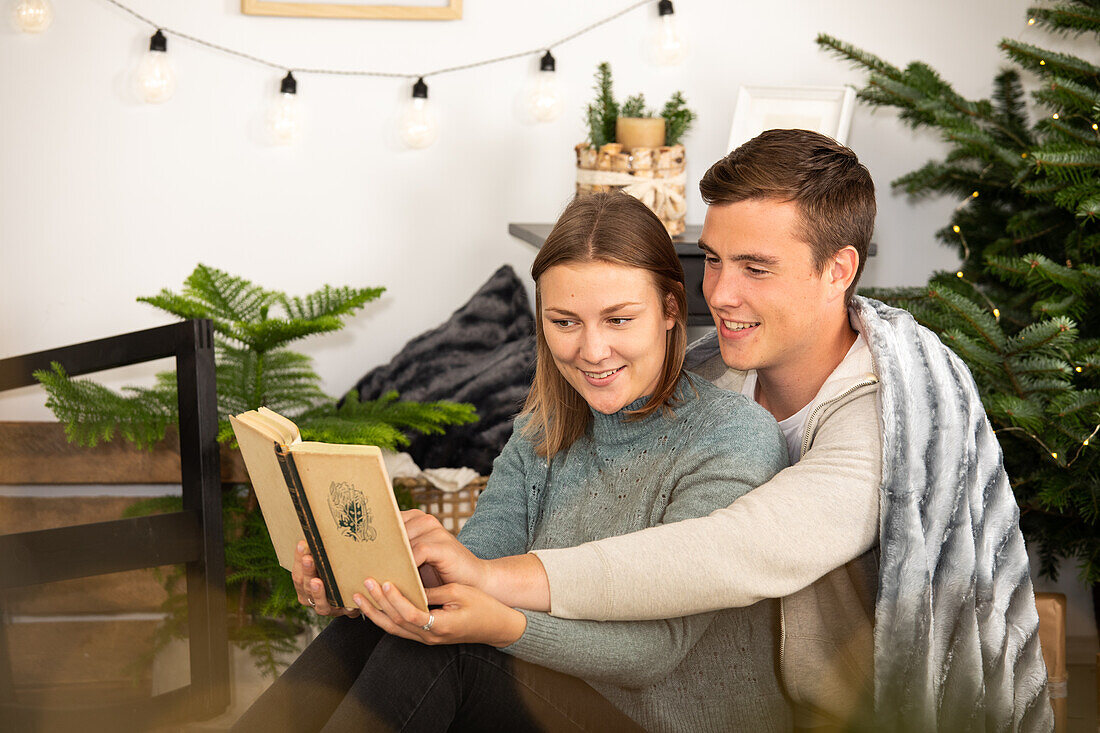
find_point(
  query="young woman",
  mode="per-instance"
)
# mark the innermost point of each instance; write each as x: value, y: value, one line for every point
x: 614, y: 437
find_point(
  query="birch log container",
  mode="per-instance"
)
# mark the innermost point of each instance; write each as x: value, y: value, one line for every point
x: 653, y: 174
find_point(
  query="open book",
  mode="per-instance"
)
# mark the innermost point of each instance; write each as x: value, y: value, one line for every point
x: 338, y: 498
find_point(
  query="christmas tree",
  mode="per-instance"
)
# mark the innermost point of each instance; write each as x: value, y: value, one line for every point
x: 252, y: 327
x: 1021, y: 308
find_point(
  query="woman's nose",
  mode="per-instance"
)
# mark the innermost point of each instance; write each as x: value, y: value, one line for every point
x: 594, y: 347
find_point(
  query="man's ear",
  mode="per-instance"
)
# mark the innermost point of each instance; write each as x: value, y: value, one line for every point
x: 843, y: 270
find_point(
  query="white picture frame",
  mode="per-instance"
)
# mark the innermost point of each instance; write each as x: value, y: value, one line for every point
x: 827, y: 110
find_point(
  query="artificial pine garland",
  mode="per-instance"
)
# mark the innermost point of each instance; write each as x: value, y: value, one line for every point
x: 1021, y: 310
x: 252, y: 327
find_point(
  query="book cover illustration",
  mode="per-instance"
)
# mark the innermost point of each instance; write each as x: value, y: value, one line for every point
x: 349, y: 510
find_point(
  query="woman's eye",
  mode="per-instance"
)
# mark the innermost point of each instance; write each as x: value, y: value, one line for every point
x: 562, y: 322
x: 619, y: 321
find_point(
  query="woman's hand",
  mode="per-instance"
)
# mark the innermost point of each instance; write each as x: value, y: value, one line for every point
x: 434, y: 545
x: 311, y: 591
x: 467, y: 615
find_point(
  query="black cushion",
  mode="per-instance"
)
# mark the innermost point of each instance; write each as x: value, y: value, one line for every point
x: 483, y: 354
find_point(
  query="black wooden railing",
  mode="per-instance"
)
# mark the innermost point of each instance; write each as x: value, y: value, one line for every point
x: 192, y: 536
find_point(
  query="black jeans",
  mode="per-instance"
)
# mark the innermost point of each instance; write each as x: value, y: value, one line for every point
x: 355, y: 677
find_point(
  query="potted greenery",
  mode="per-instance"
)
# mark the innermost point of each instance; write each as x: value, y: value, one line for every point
x: 252, y: 326
x: 632, y: 148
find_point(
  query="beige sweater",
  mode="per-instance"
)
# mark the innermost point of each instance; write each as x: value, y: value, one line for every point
x: 807, y: 537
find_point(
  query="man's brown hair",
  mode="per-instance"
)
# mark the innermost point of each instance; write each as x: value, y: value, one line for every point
x: 620, y: 230
x: 833, y: 191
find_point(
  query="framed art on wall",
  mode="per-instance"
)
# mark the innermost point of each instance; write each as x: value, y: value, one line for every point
x: 413, y: 10
x: 827, y: 110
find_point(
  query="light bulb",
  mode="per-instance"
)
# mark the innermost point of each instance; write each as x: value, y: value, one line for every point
x: 419, y: 125
x: 544, y: 100
x: 32, y: 16
x: 156, y: 78
x: 283, y: 118
x: 667, y: 45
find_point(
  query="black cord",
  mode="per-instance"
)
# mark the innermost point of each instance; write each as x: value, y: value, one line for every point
x: 384, y: 74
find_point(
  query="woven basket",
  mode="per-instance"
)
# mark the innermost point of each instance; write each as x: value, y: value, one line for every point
x: 452, y: 508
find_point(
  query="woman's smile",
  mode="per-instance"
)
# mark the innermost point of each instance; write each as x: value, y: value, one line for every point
x: 607, y: 330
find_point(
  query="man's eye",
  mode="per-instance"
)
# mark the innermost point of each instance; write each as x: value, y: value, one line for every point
x: 756, y: 271
x: 710, y: 260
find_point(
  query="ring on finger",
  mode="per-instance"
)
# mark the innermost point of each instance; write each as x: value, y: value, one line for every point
x: 431, y: 620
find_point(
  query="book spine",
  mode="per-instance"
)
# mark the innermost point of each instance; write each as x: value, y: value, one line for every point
x: 309, y: 526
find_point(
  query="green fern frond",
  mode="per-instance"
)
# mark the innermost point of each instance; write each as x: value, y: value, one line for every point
x: 328, y: 301
x: 93, y: 413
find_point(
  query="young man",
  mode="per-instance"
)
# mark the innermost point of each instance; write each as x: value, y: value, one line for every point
x: 892, y: 540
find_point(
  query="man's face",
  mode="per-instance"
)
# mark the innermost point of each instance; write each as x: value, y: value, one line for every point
x: 770, y: 306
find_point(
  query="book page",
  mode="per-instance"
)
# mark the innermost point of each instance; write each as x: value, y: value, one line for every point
x: 257, y: 441
x: 357, y: 517
x: 287, y: 428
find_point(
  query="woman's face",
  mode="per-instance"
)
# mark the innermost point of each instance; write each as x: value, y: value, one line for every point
x: 605, y: 325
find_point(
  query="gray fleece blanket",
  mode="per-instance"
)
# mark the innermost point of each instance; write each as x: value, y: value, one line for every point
x: 956, y: 630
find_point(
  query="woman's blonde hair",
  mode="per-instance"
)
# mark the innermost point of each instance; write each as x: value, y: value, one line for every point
x: 620, y: 230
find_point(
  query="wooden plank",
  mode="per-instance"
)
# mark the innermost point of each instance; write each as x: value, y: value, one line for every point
x: 48, y: 555
x: 451, y: 11
x: 128, y: 592
x: 40, y: 453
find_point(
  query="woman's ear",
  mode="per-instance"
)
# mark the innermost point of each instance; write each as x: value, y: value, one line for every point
x: 672, y: 311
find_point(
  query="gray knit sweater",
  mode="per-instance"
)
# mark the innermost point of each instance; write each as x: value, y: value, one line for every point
x: 709, y: 672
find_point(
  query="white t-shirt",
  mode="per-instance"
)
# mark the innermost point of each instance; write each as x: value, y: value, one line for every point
x: 856, y: 360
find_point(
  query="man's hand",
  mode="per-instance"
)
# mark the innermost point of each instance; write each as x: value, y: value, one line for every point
x: 434, y: 545
x: 467, y: 615
x: 311, y: 591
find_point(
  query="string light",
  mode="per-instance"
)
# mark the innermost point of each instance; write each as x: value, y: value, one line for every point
x: 956, y: 229
x: 1078, y: 369
x: 544, y: 101
x: 959, y: 274
x: 419, y: 124
x: 1095, y: 127
x: 156, y: 78
x: 974, y: 195
x: 997, y: 313
x: 32, y: 16
x: 1031, y: 21
x: 667, y: 46
x: 1054, y: 456
x: 1042, y: 62
x: 284, y: 117
x: 1055, y: 115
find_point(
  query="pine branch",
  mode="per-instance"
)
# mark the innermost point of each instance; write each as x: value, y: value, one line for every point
x: 1067, y: 19
x: 602, y: 113
x: 1049, y: 63
x: 634, y: 106
x: 858, y: 57
x: 678, y: 118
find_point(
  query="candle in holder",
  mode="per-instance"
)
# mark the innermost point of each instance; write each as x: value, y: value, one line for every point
x: 640, y: 132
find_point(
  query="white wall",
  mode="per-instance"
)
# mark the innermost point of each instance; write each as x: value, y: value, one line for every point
x: 103, y: 199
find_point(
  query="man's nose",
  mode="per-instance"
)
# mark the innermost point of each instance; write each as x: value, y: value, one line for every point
x: 722, y: 289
